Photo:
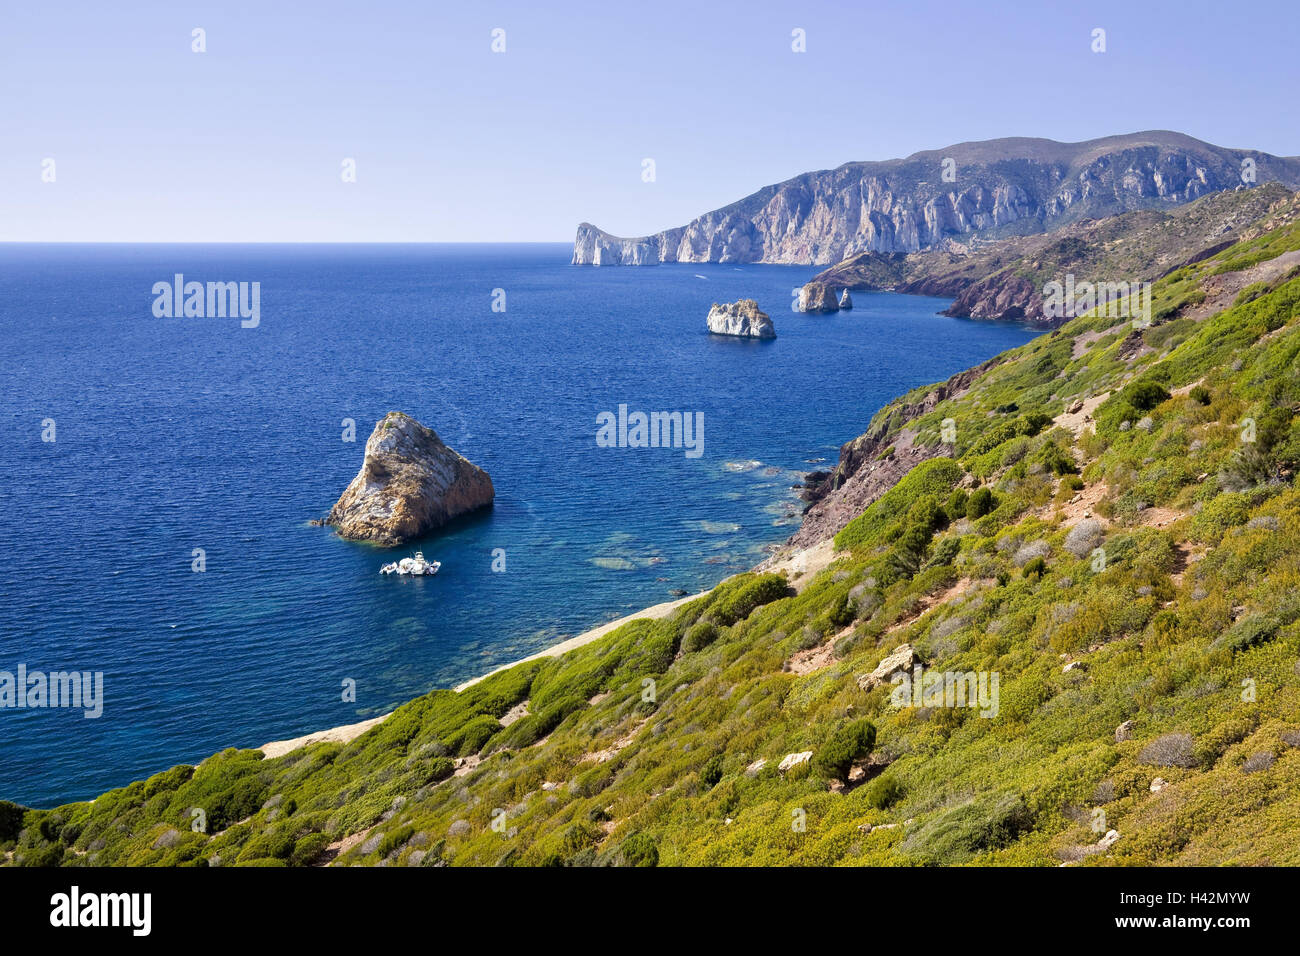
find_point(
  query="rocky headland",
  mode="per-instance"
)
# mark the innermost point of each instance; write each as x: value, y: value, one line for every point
x: 990, y: 189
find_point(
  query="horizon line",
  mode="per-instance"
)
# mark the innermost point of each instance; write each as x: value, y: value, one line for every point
x: 285, y: 242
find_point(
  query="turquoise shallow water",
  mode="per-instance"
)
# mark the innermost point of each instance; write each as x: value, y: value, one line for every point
x: 176, y: 434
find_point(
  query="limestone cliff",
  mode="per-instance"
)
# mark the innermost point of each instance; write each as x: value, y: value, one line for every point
x: 409, y: 484
x: 994, y: 188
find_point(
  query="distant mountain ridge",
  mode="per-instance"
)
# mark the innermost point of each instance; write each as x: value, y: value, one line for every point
x: 1001, y: 187
x: 1005, y: 278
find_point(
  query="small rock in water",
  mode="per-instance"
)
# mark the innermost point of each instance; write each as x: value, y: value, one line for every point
x: 744, y: 319
x: 409, y: 484
x: 818, y: 297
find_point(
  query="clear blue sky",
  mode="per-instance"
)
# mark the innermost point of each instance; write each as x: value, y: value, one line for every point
x: 456, y: 143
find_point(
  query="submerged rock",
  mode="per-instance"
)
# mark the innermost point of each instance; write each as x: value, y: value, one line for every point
x: 846, y: 301
x: 743, y: 318
x: 409, y: 484
x: 818, y: 297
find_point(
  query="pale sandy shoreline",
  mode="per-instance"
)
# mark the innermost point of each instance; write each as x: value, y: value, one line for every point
x: 800, y: 567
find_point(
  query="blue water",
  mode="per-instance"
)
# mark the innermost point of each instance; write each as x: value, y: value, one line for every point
x: 177, y: 434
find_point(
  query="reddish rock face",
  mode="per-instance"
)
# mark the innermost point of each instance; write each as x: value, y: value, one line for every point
x: 409, y: 484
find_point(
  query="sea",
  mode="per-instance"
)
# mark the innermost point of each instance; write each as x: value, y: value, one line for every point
x: 159, y: 472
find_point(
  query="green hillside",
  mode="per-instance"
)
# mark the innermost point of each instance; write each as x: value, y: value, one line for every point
x: 1114, y: 533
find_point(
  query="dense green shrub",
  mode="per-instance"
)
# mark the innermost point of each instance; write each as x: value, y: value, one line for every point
x: 981, y: 824
x: 882, y: 793
x: 944, y: 553
x: 935, y: 477
x: 528, y: 730
x: 981, y: 503
x: 11, y: 820
x: 850, y: 743
x: 751, y: 594
x: 471, y: 737
x: 309, y: 849
x: 1257, y: 629
x: 394, y: 839
x: 639, y: 850
x: 711, y: 772
x: 700, y: 635
x: 1225, y: 511
x: 842, y: 613
x: 955, y: 507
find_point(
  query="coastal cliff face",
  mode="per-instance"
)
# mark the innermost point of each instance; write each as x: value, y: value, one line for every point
x: 743, y: 318
x: 876, y: 460
x: 1005, y: 278
x: 409, y: 484
x: 1002, y: 187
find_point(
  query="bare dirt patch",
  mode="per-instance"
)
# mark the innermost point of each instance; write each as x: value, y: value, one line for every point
x: 1085, y: 339
x: 930, y: 601
x: 1081, y: 506
x: 465, y: 764
x: 340, y: 847
x: 1184, y: 557
x: 1186, y: 389
x: 815, y: 658
x: 802, y: 566
x: 1078, y: 416
x: 613, y: 750
x: 1222, y: 290
x: 1159, y: 517
x: 514, y: 713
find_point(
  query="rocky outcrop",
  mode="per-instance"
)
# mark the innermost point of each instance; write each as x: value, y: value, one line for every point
x: 818, y: 297
x: 1002, y: 187
x: 790, y: 761
x: 846, y: 300
x: 743, y: 318
x: 409, y: 484
x: 896, y: 663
